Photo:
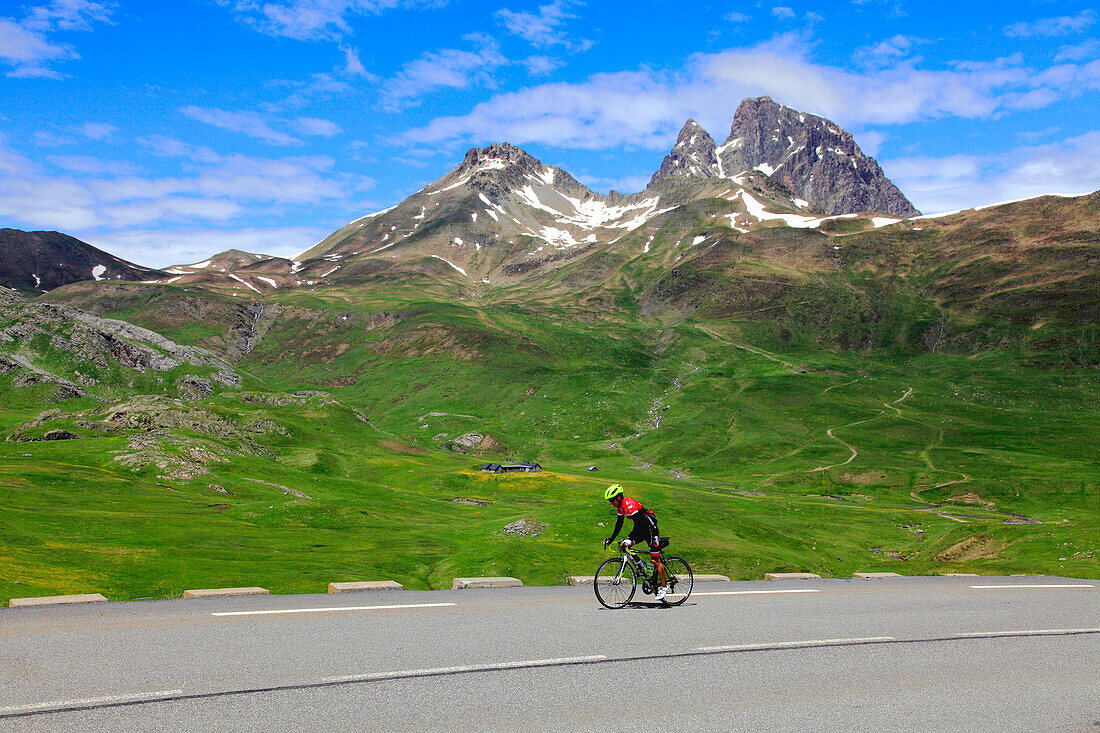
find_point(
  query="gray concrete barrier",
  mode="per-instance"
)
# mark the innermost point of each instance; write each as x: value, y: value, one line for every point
x: 212, y: 592
x: 54, y: 600
x: 364, y: 585
x: 710, y: 578
x: 581, y: 579
x: 791, y: 576
x: 875, y: 575
x: 487, y: 582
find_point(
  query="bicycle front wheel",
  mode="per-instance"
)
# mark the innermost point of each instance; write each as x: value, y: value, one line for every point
x: 615, y: 583
x: 680, y: 580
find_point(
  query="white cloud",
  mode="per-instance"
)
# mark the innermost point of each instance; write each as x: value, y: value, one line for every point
x: 886, y: 51
x: 608, y: 110
x: 89, y: 164
x: 448, y: 68
x: 1083, y: 51
x: 25, y: 44
x: 69, y: 15
x: 545, y: 28
x: 870, y: 141
x: 45, y: 139
x: 317, y: 127
x: 738, y: 18
x: 311, y: 20
x: 164, y: 248
x: 541, y: 65
x: 645, y: 108
x: 248, y: 123
x: 1062, y: 26
x: 97, y: 130
x: 298, y: 180
x: 352, y: 64
x: 219, y: 189
x: 963, y: 181
x: 23, y: 48
x: 783, y: 12
x: 319, y: 88
x: 622, y: 184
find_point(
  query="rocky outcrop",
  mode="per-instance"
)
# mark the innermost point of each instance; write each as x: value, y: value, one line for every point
x: 694, y: 155
x: 811, y: 156
x: 500, y: 168
x: 90, y: 338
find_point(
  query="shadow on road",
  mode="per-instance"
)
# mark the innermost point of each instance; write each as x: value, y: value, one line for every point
x: 644, y: 605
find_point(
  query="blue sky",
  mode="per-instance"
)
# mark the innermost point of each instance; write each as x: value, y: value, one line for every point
x: 168, y: 130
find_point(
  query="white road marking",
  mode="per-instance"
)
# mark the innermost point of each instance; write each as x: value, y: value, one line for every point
x: 328, y: 610
x: 401, y: 674
x: 755, y: 592
x: 1038, y: 585
x: 1026, y: 632
x: 793, y: 644
x: 88, y: 701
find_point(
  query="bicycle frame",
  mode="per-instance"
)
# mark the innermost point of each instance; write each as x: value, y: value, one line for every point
x: 629, y: 555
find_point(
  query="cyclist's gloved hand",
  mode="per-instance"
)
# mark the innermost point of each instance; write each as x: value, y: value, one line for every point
x: 606, y: 541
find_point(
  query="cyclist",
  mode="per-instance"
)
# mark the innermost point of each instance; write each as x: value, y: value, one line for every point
x: 645, y: 530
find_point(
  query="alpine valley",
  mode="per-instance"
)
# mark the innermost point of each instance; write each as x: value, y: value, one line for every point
x: 769, y: 344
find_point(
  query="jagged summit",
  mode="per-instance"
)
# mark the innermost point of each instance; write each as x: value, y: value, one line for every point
x: 497, y: 155
x: 810, y: 155
x: 693, y: 155
x: 501, y: 167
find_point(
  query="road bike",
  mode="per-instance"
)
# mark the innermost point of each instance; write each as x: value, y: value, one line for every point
x: 617, y: 579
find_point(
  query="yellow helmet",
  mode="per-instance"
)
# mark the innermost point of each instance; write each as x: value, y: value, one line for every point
x: 612, y: 491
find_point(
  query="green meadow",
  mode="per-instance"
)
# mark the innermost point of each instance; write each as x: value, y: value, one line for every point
x: 758, y: 453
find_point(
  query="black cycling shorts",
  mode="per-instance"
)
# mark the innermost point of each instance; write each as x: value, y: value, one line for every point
x: 645, y: 530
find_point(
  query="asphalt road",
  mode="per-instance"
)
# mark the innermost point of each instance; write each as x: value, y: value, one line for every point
x: 882, y: 654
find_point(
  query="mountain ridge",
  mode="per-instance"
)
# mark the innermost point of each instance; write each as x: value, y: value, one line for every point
x: 44, y: 260
x: 817, y: 160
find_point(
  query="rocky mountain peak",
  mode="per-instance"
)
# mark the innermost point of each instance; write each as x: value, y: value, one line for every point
x: 812, y: 156
x: 692, y: 156
x: 501, y: 167
x: 497, y: 156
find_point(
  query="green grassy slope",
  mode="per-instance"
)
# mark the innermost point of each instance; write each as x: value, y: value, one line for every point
x: 782, y: 404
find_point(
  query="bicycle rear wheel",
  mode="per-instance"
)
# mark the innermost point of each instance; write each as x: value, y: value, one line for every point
x: 615, y: 583
x: 680, y: 580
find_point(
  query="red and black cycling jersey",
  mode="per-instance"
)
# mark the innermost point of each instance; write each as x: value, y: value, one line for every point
x: 645, y: 523
x: 630, y: 507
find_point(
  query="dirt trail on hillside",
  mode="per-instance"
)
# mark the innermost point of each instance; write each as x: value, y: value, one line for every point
x: 837, y: 386
x: 849, y: 446
x: 750, y: 349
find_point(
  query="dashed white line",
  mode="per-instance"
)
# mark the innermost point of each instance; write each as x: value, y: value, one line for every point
x: 1026, y: 632
x: 329, y: 610
x: 795, y: 644
x: 89, y: 701
x: 436, y: 671
x: 755, y: 592
x: 1038, y: 585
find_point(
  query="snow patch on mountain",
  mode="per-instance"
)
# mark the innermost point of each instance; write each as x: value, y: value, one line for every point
x: 758, y: 212
x: 247, y: 284
x: 451, y: 264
